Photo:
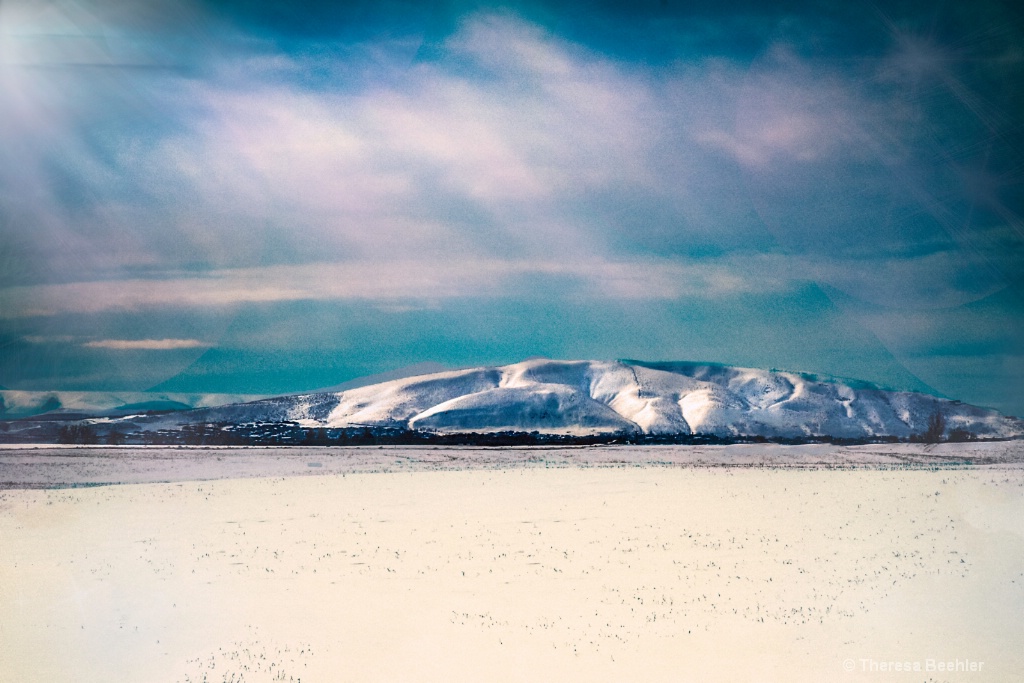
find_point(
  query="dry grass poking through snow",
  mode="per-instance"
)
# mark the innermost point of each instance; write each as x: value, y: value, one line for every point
x: 253, y: 659
x: 520, y: 575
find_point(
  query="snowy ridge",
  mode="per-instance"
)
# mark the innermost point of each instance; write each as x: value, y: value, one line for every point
x: 595, y: 397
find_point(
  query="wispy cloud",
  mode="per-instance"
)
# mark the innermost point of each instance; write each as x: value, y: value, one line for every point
x: 395, y: 282
x: 145, y: 344
x: 924, y: 283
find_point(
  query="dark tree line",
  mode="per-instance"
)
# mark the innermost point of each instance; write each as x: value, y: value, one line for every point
x: 294, y: 434
x: 936, y: 431
x: 77, y: 434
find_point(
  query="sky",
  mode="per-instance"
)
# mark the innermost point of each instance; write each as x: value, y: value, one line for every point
x: 256, y: 197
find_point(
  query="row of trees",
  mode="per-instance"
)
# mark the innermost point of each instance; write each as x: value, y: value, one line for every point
x: 293, y: 434
x: 936, y: 431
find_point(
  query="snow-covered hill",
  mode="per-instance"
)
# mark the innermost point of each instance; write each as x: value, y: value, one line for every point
x: 592, y: 397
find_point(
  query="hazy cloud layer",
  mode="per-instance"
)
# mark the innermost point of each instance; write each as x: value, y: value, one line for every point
x: 413, y: 281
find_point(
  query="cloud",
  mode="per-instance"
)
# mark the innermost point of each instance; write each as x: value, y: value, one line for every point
x: 49, y: 339
x: 513, y: 144
x: 474, y: 154
x: 145, y: 344
x: 396, y: 282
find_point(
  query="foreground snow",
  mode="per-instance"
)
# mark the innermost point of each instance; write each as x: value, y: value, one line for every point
x: 47, y: 466
x: 524, y: 574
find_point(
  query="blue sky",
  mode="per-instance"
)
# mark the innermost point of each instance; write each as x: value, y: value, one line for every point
x: 246, y: 197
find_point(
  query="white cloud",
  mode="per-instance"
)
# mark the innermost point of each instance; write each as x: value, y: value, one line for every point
x: 793, y: 110
x: 145, y: 344
x: 436, y: 162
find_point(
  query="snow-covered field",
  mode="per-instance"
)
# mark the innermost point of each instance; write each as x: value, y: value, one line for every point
x: 474, y: 565
x: 48, y: 466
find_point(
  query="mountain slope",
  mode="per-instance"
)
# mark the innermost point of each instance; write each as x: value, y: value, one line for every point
x: 593, y: 397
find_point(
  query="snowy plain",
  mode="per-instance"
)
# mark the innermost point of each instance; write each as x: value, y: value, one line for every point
x: 802, y: 563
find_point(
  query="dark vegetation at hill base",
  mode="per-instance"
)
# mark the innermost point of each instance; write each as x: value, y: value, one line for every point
x: 294, y: 434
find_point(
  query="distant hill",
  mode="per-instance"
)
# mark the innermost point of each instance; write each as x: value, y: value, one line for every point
x: 24, y: 404
x: 615, y: 397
